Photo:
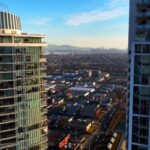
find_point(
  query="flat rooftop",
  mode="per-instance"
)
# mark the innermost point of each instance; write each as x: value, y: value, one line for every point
x: 83, y: 89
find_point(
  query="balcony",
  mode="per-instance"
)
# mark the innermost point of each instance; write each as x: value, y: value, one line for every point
x: 7, y: 103
x: 21, y: 44
x: 44, y: 138
x: 6, y: 86
x: 7, y: 119
x: 10, y: 126
x: 42, y: 52
x: 141, y: 16
x: 44, y: 111
x: 7, y: 97
x: 140, y: 38
x: 44, y: 103
x: 43, y: 117
x: 8, y: 144
x: 43, y: 60
x: 44, y: 146
x: 8, y: 135
x: 143, y: 2
x: 144, y: 27
x: 7, y: 112
x: 9, y: 54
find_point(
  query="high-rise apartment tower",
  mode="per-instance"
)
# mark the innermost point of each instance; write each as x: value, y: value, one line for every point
x: 138, y: 103
x: 23, y: 123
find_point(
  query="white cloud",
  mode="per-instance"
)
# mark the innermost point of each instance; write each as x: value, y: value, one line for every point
x: 113, y: 9
x: 93, y: 16
x: 41, y: 21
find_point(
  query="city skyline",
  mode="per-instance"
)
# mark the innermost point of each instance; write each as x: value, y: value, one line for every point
x: 83, y: 23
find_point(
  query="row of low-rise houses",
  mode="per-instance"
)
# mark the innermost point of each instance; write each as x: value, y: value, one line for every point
x: 76, y: 109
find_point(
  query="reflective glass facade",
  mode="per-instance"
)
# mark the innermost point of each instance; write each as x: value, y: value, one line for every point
x: 23, y: 104
x: 138, y: 104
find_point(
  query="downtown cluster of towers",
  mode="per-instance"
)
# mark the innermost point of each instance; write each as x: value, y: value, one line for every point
x: 23, y: 121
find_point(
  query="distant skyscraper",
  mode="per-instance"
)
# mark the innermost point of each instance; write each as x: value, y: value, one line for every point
x: 138, y: 105
x: 23, y: 124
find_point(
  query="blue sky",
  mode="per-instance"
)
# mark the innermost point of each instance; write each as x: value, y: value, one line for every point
x: 85, y: 23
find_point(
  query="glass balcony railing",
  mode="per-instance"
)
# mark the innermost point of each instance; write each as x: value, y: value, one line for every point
x: 9, y: 127
x: 7, y: 102
x: 27, y: 40
x: 5, y: 121
x: 7, y: 93
x: 143, y: 14
x: 9, y: 144
x: 44, y: 111
x: 44, y: 146
x: 143, y: 2
x: 42, y: 60
x: 43, y: 117
x: 44, y: 102
x: 143, y: 27
x: 7, y: 110
x: 44, y: 138
x: 6, y: 39
x: 8, y: 135
x: 140, y: 38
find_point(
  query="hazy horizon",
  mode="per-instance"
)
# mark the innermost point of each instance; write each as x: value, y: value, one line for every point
x: 67, y: 45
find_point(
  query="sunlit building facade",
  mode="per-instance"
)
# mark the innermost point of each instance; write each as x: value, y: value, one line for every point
x: 138, y: 104
x: 23, y: 107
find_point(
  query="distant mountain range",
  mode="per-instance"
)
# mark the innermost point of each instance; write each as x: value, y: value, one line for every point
x: 66, y: 49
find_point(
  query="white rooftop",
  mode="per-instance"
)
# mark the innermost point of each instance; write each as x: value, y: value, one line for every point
x: 82, y: 89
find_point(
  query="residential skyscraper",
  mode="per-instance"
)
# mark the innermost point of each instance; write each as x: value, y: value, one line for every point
x: 23, y: 107
x: 138, y: 104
